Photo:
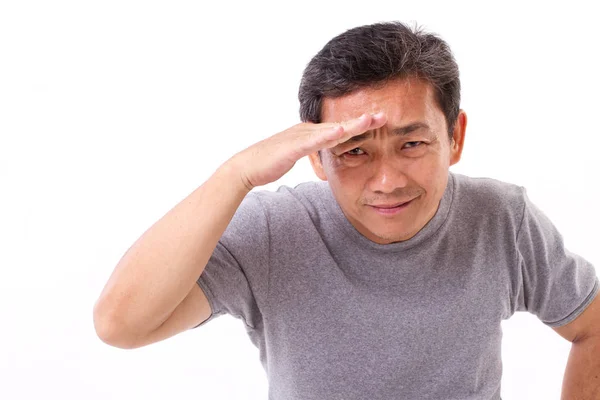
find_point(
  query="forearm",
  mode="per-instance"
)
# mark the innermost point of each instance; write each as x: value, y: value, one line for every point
x: 161, y: 267
x: 582, y: 375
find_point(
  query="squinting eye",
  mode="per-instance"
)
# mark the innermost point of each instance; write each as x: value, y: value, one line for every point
x: 351, y: 152
x: 411, y: 147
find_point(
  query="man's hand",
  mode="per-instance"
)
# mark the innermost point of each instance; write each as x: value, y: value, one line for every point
x: 270, y: 159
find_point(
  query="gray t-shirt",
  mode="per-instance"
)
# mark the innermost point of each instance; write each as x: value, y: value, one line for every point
x: 337, y: 316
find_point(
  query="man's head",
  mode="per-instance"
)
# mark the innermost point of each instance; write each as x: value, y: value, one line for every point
x: 410, y: 76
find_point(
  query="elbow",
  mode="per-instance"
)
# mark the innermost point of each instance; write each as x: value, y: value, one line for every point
x: 111, y: 329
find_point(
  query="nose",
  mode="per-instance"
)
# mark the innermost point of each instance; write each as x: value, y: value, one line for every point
x: 386, y: 176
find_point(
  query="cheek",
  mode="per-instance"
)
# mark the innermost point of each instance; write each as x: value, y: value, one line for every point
x: 431, y: 179
x: 434, y: 177
x: 347, y: 175
x: 348, y: 186
x: 340, y: 165
x: 431, y: 164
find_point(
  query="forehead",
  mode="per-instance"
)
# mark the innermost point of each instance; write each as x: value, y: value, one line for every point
x: 400, y: 99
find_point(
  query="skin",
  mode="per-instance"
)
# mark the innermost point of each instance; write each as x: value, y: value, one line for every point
x: 388, y: 168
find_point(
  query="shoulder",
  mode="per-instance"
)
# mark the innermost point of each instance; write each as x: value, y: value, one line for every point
x: 489, y: 199
x: 304, y: 198
x: 488, y: 192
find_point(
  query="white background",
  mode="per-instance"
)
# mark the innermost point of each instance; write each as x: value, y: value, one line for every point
x: 112, y: 112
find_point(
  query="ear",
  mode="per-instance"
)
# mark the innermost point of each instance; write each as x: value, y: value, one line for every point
x: 317, y: 165
x: 458, y: 137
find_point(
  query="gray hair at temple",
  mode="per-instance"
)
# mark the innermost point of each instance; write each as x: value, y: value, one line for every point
x: 371, y: 55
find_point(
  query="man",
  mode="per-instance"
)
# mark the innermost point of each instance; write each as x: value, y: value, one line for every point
x: 389, y: 279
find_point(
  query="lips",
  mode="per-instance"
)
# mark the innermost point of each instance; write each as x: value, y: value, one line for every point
x: 389, y: 205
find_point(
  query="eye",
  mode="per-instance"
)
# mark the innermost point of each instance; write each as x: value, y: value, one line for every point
x: 353, y: 152
x: 414, y: 144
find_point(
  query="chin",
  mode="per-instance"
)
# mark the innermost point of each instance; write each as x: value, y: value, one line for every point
x: 391, y: 237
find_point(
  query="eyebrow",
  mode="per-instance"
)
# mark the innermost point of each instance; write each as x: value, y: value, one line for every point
x: 400, y: 131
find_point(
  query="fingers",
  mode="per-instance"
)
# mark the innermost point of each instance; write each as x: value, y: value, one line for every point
x: 351, y: 127
x: 347, y: 129
x: 378, y: 120
x: 314, y: 137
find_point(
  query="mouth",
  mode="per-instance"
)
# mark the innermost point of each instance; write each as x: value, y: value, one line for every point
x: 390, y: 209
x: 390, y: 205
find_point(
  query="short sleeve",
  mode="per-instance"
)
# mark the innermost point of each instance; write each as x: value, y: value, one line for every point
x: 236, y: 275
x: 557, y: 285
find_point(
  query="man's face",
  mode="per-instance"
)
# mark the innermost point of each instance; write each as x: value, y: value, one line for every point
x: 391, y: 165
